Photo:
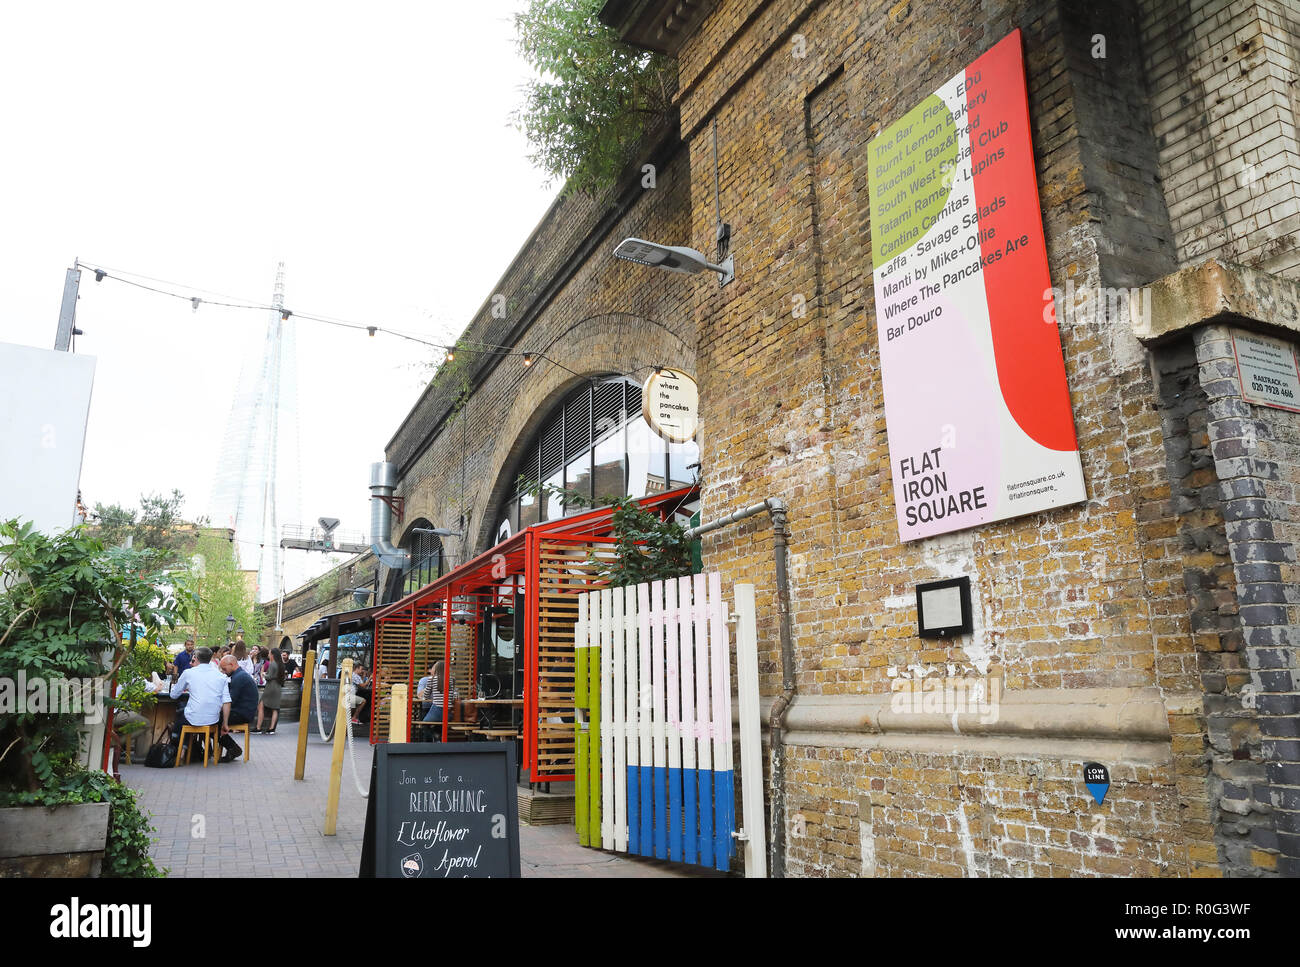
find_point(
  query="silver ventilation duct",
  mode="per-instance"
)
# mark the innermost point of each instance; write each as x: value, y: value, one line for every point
x: 383, y: 480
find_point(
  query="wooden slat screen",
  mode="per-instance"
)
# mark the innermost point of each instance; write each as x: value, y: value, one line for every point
x: 565, y: 573
x: 392, y: 665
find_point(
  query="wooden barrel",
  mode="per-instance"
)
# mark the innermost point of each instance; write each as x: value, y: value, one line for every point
x: 290, y: 699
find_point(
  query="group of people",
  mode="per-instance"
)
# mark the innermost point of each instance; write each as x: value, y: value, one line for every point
x: 224, y: 689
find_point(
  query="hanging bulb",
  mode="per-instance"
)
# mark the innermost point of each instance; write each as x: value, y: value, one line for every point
x: 451, y: 354
x: 99, y: 275
x: 284, y: 315
x: 196, y: 300
x: 528, y: 359
x: 371, y: 330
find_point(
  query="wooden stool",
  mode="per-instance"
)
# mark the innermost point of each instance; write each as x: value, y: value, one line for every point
x: 248, y: 745
x: 209, y: 732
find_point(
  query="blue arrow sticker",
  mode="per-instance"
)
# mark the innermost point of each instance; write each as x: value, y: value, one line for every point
x: 1097, y: 779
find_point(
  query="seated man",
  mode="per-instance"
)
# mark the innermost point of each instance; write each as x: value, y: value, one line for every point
x: 361, y: 686
x: 242, y: 708
x: 209, y: 691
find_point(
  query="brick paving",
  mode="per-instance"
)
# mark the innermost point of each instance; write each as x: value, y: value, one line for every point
x: 253, y: 819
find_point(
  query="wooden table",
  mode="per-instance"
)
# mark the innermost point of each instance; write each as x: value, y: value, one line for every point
x: 159, y: 714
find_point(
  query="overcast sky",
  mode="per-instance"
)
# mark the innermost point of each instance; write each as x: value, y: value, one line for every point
x: 366, y: 146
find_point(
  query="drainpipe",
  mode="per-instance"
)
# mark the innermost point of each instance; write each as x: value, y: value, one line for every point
x: 777, y: 510
x: 383, y: 480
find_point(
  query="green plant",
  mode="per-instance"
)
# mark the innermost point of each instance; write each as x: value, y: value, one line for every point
x: 127, y: 851
x: 65, y: 602
x: 219, y: 589
x: 157, y: 525
x: 646, y: 547
x: 142, y: 659
x: 596, y: 96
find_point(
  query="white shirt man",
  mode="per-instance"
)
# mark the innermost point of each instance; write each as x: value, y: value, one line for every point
x: 209, y: 690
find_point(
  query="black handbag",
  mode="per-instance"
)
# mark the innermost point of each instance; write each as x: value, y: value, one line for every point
x: 162, y: 755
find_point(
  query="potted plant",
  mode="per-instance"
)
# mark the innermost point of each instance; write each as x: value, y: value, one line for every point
x: 64, y: 601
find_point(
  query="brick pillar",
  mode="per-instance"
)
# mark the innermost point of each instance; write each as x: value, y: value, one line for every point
x: 1259, y: 755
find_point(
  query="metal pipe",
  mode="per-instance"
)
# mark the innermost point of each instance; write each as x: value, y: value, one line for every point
x: 778, y: 512
x: 739, y: 515
x: 383, y: 480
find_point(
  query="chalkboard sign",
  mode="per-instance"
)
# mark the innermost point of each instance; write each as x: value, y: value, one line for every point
x: 440, y: 810
x: 329, y: 704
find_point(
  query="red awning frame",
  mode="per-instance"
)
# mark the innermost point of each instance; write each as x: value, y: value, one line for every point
x: 461, y: 589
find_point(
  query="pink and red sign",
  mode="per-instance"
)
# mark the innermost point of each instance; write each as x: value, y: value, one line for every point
x: 976, y: 402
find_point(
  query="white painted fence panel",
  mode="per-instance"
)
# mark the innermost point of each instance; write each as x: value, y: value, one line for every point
x: 667, y: 780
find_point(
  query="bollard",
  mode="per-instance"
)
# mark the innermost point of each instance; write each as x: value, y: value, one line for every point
x: 342, y: 722
x: 304, y: 715
x: 397, y: 714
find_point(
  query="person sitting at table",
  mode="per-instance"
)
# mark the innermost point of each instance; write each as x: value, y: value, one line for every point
x: 434, y: 690
x: 361, y: 685
x: 242, y: 708
x: 422, y: 686
x: 209, y: 691
x: 185, y: 658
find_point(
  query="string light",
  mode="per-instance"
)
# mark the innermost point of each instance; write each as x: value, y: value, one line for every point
x: 232, y: 302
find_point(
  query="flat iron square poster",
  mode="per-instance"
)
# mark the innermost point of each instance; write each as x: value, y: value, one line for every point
x: 976, y: 403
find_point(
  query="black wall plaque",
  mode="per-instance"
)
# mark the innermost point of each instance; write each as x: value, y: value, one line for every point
x: 440, y: 809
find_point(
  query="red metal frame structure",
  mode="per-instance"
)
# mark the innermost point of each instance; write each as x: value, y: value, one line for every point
x: 471, y: 588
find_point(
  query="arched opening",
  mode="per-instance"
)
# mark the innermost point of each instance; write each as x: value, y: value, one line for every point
x: 594, y: 444
x: 426, y: 563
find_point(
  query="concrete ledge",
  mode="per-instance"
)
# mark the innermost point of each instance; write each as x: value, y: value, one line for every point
x: 1215, y: 292
x: 1127, y: 714
x: 1137, y: 752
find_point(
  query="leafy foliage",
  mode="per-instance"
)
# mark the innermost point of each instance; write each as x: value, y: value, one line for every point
x: 141, y: 660
x: 647, y: 548
x: 596, y: 97
x: 65, y: 602
x: 219, y: 589
x: 157, y: 525
x: 127, y: 850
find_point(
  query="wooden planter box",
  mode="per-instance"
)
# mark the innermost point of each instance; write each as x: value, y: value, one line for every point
x: 53, y: 841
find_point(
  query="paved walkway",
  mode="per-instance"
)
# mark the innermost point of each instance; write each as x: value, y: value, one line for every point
x: 253, y: 819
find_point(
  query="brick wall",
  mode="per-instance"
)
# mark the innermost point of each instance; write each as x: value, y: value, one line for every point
x: 1256, y: 454
x: 1078, y: 598
x: 1125, y: 629
x: 1223, y: 99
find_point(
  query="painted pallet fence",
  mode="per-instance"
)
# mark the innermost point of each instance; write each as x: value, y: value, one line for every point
x: 654, y: 729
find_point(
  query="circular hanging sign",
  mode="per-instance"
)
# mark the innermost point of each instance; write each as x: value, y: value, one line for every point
x: 670, y: 403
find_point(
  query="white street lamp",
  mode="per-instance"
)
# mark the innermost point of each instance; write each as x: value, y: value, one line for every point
x: 674, y: 258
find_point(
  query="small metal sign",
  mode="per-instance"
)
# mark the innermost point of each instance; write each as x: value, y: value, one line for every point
x: 1267, y: 370
x: 670, y: 403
